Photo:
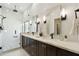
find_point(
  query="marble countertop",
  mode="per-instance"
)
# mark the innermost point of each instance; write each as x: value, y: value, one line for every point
x: 67, y: 45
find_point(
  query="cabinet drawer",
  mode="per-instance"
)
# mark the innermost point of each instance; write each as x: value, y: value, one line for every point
x: 41, y: 49
x: 50, y: 50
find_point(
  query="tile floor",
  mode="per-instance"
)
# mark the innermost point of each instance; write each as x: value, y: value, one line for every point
x: 17, y: 52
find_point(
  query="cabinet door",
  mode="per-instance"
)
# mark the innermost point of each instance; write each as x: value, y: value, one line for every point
x: 27, y: 48
x: 32, y: 47
x: 62, y: 52
x: 42, y: 49
x: 23, y: 42
x: 50, y: 50
x: 29, y: 45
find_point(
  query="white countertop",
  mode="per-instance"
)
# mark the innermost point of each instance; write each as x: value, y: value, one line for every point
x: 67, y: 45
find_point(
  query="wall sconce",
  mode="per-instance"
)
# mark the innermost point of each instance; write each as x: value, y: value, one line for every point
x: 77, y: 10
x: 38, y: 21
x: 63, y: 14
x: 30, y: 22
x: 44, y: 18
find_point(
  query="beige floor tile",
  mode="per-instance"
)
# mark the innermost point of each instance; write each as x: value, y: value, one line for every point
x: 17, y: 52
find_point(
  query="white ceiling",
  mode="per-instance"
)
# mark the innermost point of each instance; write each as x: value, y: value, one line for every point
x: 39, y: 8
x: 34, y: 8
x: 21, y: 7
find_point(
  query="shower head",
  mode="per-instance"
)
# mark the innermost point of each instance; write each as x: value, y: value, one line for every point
x: 15, y: 10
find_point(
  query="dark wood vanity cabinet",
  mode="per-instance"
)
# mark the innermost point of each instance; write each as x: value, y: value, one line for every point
x: 37, y: 48
x: 23, y: 42
x: 62, y: 52
x: 41, y: 49
x: 50, y: 50
x: 31, y: 47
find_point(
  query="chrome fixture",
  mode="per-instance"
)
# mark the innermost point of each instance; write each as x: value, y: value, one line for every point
x: 37, y: 22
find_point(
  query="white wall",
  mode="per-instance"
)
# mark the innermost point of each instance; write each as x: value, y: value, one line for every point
x: 67, y: 25
x: 48, y: 28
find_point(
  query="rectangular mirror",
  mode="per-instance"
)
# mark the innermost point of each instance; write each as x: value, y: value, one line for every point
x: 30, y: 25
x: 57, y: 26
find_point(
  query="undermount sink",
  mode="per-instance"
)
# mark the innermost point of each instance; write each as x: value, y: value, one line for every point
x: 37, y: 36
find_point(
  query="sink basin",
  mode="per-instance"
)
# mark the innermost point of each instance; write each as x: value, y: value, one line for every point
x: 37, y: 36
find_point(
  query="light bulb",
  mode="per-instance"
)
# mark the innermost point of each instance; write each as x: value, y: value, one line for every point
x: 44, y: 18
x: 30, y: 22
x: 38, y: 20
x: 63, y: 13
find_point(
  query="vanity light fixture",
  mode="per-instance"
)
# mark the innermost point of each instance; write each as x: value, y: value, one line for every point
x: 44, y: 18
x: 63, y: 14
x: 30, y: 22
x: 77, y: 10
x: 38, y: 21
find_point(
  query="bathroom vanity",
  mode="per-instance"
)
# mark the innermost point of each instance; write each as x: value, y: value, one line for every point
x: 40, y: 46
